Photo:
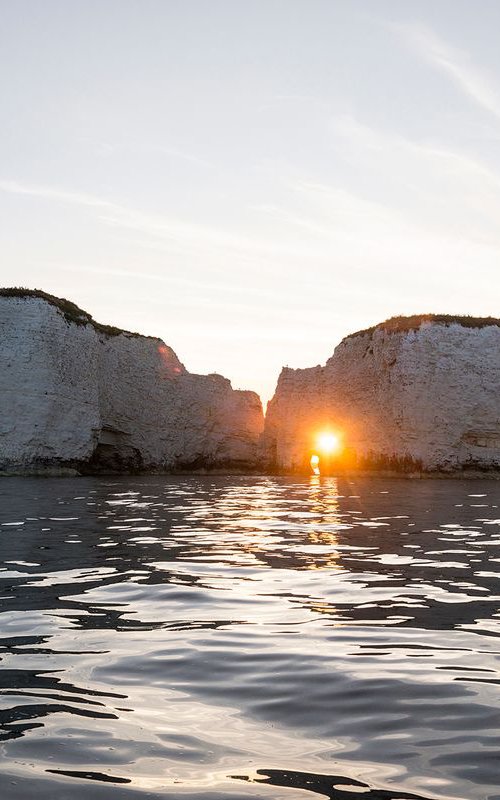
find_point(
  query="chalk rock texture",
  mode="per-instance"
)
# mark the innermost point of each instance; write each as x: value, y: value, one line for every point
x: 80, y: 395
x: 412, y: 393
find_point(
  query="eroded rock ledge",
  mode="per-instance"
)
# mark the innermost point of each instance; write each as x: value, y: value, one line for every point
x: 77, y: 395
x: 414, y: 394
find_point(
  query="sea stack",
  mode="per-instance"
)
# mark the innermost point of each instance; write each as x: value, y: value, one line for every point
x: 77, y: 395
x: 413, y: 394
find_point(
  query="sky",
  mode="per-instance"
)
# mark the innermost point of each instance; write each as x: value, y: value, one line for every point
x: 252, y: 180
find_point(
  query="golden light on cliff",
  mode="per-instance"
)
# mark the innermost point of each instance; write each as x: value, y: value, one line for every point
x: 315, y: 463
x: 328, y: 443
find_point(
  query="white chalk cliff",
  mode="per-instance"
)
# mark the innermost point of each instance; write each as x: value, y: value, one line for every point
x: 412, y: 393
x: 80, y: 395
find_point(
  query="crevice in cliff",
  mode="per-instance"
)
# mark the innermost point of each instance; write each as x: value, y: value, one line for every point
x: 113, y: 454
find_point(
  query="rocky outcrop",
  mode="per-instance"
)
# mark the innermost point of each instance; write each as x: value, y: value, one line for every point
x: 414, y: 393
x: 76, y: 394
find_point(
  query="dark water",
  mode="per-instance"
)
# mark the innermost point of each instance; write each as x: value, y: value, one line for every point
x: 249, y: 638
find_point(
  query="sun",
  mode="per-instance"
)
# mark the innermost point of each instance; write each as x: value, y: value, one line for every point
x: 328, y: 443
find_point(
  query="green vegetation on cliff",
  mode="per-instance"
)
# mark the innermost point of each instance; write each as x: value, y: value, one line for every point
x: 70, y: 311
x: 412, y: 323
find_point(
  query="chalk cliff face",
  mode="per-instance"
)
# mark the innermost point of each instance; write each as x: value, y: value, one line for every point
x: 77, y: 394
x: 417, y: 393
x: 412, y: 393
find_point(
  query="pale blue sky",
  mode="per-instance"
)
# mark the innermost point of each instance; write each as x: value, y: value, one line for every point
x: 252, y: 179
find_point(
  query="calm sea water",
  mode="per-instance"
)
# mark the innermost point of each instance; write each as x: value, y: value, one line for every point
x: 213, y: 637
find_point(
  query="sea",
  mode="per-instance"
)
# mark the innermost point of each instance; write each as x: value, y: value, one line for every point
x: 230, y: 637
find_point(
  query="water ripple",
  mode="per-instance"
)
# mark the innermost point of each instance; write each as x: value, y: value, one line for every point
x: 211, y: 637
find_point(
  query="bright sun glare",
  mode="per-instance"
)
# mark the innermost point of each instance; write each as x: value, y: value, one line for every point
x: 328, y: 442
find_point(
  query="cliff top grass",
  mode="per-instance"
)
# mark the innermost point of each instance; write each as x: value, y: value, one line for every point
x: 70, y: 311
x: 413, y: 323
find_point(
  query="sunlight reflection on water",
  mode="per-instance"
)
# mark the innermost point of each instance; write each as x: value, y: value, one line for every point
x: 249, y: 637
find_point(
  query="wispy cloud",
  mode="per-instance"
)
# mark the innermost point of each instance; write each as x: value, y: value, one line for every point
x: 54, y: 193
x: 126, y: 147
x: 178, y: 231
x: 374, y: 141
x: 442, y: 189
x: 323, y: 234
x: 454, y: 62
x: 171, y: 234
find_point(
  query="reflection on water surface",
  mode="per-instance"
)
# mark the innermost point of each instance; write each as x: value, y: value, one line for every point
x: 211, y: 637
